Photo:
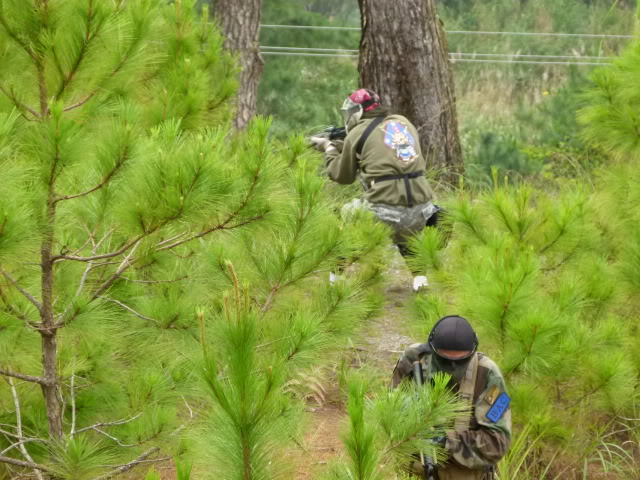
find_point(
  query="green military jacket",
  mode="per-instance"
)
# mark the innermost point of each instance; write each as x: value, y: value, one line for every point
x: 392, y: 148
x: 485, y: 442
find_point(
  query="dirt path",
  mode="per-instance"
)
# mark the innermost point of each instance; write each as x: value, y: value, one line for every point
x: 379, y: 347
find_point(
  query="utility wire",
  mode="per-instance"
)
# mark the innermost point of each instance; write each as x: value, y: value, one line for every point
x: 266, y: 49
x: 540, y: 34
x: 310, y: 49
x: 309, y: 27
x: 455, y: 55
x: 452, y: 59
x: 464, y: 32
x: 301, y: 54
x: 527, y: 62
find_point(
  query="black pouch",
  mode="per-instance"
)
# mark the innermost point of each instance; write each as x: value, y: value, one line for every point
x: 432, y: 221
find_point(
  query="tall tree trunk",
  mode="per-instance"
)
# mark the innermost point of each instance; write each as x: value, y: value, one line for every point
x: 48, y: 332
x: 240, y: 23
x: 404, y: 58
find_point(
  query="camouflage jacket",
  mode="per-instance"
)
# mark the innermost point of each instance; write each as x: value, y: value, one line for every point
x: 485, y: 442
x: 392, y: 148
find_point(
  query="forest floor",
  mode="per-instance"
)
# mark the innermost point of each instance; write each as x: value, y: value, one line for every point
x: 377, y: 349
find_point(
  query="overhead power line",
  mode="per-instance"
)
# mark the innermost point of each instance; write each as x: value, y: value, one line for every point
x: 350, y: 52
x: 310, y: 49
x: 309, y: 27
x: 464, y: 32
x: 529, y: 59
x: 302, y: 54
x: 526, y: 62
x: 453, y: 59
x: 541, y: 34
x: 456, y: 55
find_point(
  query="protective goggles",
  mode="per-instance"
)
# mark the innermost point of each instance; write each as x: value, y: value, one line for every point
x: 349, y: 108
x: 439, y: 353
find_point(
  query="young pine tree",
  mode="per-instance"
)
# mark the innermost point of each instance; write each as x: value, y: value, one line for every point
x: 387, y: 429
x: 271, y: 343
x: 122, y: 196
x: 538, y: 275
x: 113, y: 152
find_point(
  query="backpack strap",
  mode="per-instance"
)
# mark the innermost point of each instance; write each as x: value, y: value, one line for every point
x: 481, y: 378
x: 365, y: 135
x: 467, y: 388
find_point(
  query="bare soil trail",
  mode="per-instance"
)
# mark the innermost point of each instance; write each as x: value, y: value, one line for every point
x: 377, y: 348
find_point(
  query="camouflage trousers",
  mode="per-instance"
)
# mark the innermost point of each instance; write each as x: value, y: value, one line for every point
x: 404, y: 221
x: 451, y: 472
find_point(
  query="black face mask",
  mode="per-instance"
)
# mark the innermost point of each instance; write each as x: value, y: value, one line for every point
x: 455, y: 368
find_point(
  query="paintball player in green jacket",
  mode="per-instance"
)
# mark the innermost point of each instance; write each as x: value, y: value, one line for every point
x: 476, y: 443
x: 383, y: 150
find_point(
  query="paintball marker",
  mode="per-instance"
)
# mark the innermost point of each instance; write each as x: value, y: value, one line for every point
x: 332, y: 133
x: 428, y: 465
x: 336, y: 133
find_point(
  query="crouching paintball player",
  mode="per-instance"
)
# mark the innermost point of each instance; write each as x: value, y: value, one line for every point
x: 476, y: 443
x: 383, y: 150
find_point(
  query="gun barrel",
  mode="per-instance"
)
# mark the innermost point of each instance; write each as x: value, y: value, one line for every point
x: 427, y: 463
x: 337, y: 133
x: 417, y: 373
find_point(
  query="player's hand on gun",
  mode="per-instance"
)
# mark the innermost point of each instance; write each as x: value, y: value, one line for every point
x: 440, y: 441
x: 331, y: 137
x: 321, y: 143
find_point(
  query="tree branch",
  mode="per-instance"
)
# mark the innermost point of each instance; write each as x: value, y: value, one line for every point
x: 19, y: 105
x: 95, y: 429
x: 91, y: 239
x: 119, y: 271
x: 103, y: 256
x: 102, y: 183
x: 128, y: 466
x: 5, y: 432
x: 108, y: 424
x: 129, y: 309
x: 184, y: 425
x: 73, y: 406
x: 169, y: 240
x: 154, y: 282
x: 15, y: 38
x: 19, y: 443
x: 123, y: 61
x: 223, y: 225
x: 20, y: 463
x: 23, y: 449
x: 11, y: 310
x: 86, y: 41
x: 81, y: 102
x: 87, y: 271
x: 13, y: 435
x: 26, y: 378
x: 25, y: 293
x: 104, y: 286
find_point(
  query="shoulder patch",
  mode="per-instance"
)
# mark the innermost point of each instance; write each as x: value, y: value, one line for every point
x: 498, y: 408
x: 398, y: 137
